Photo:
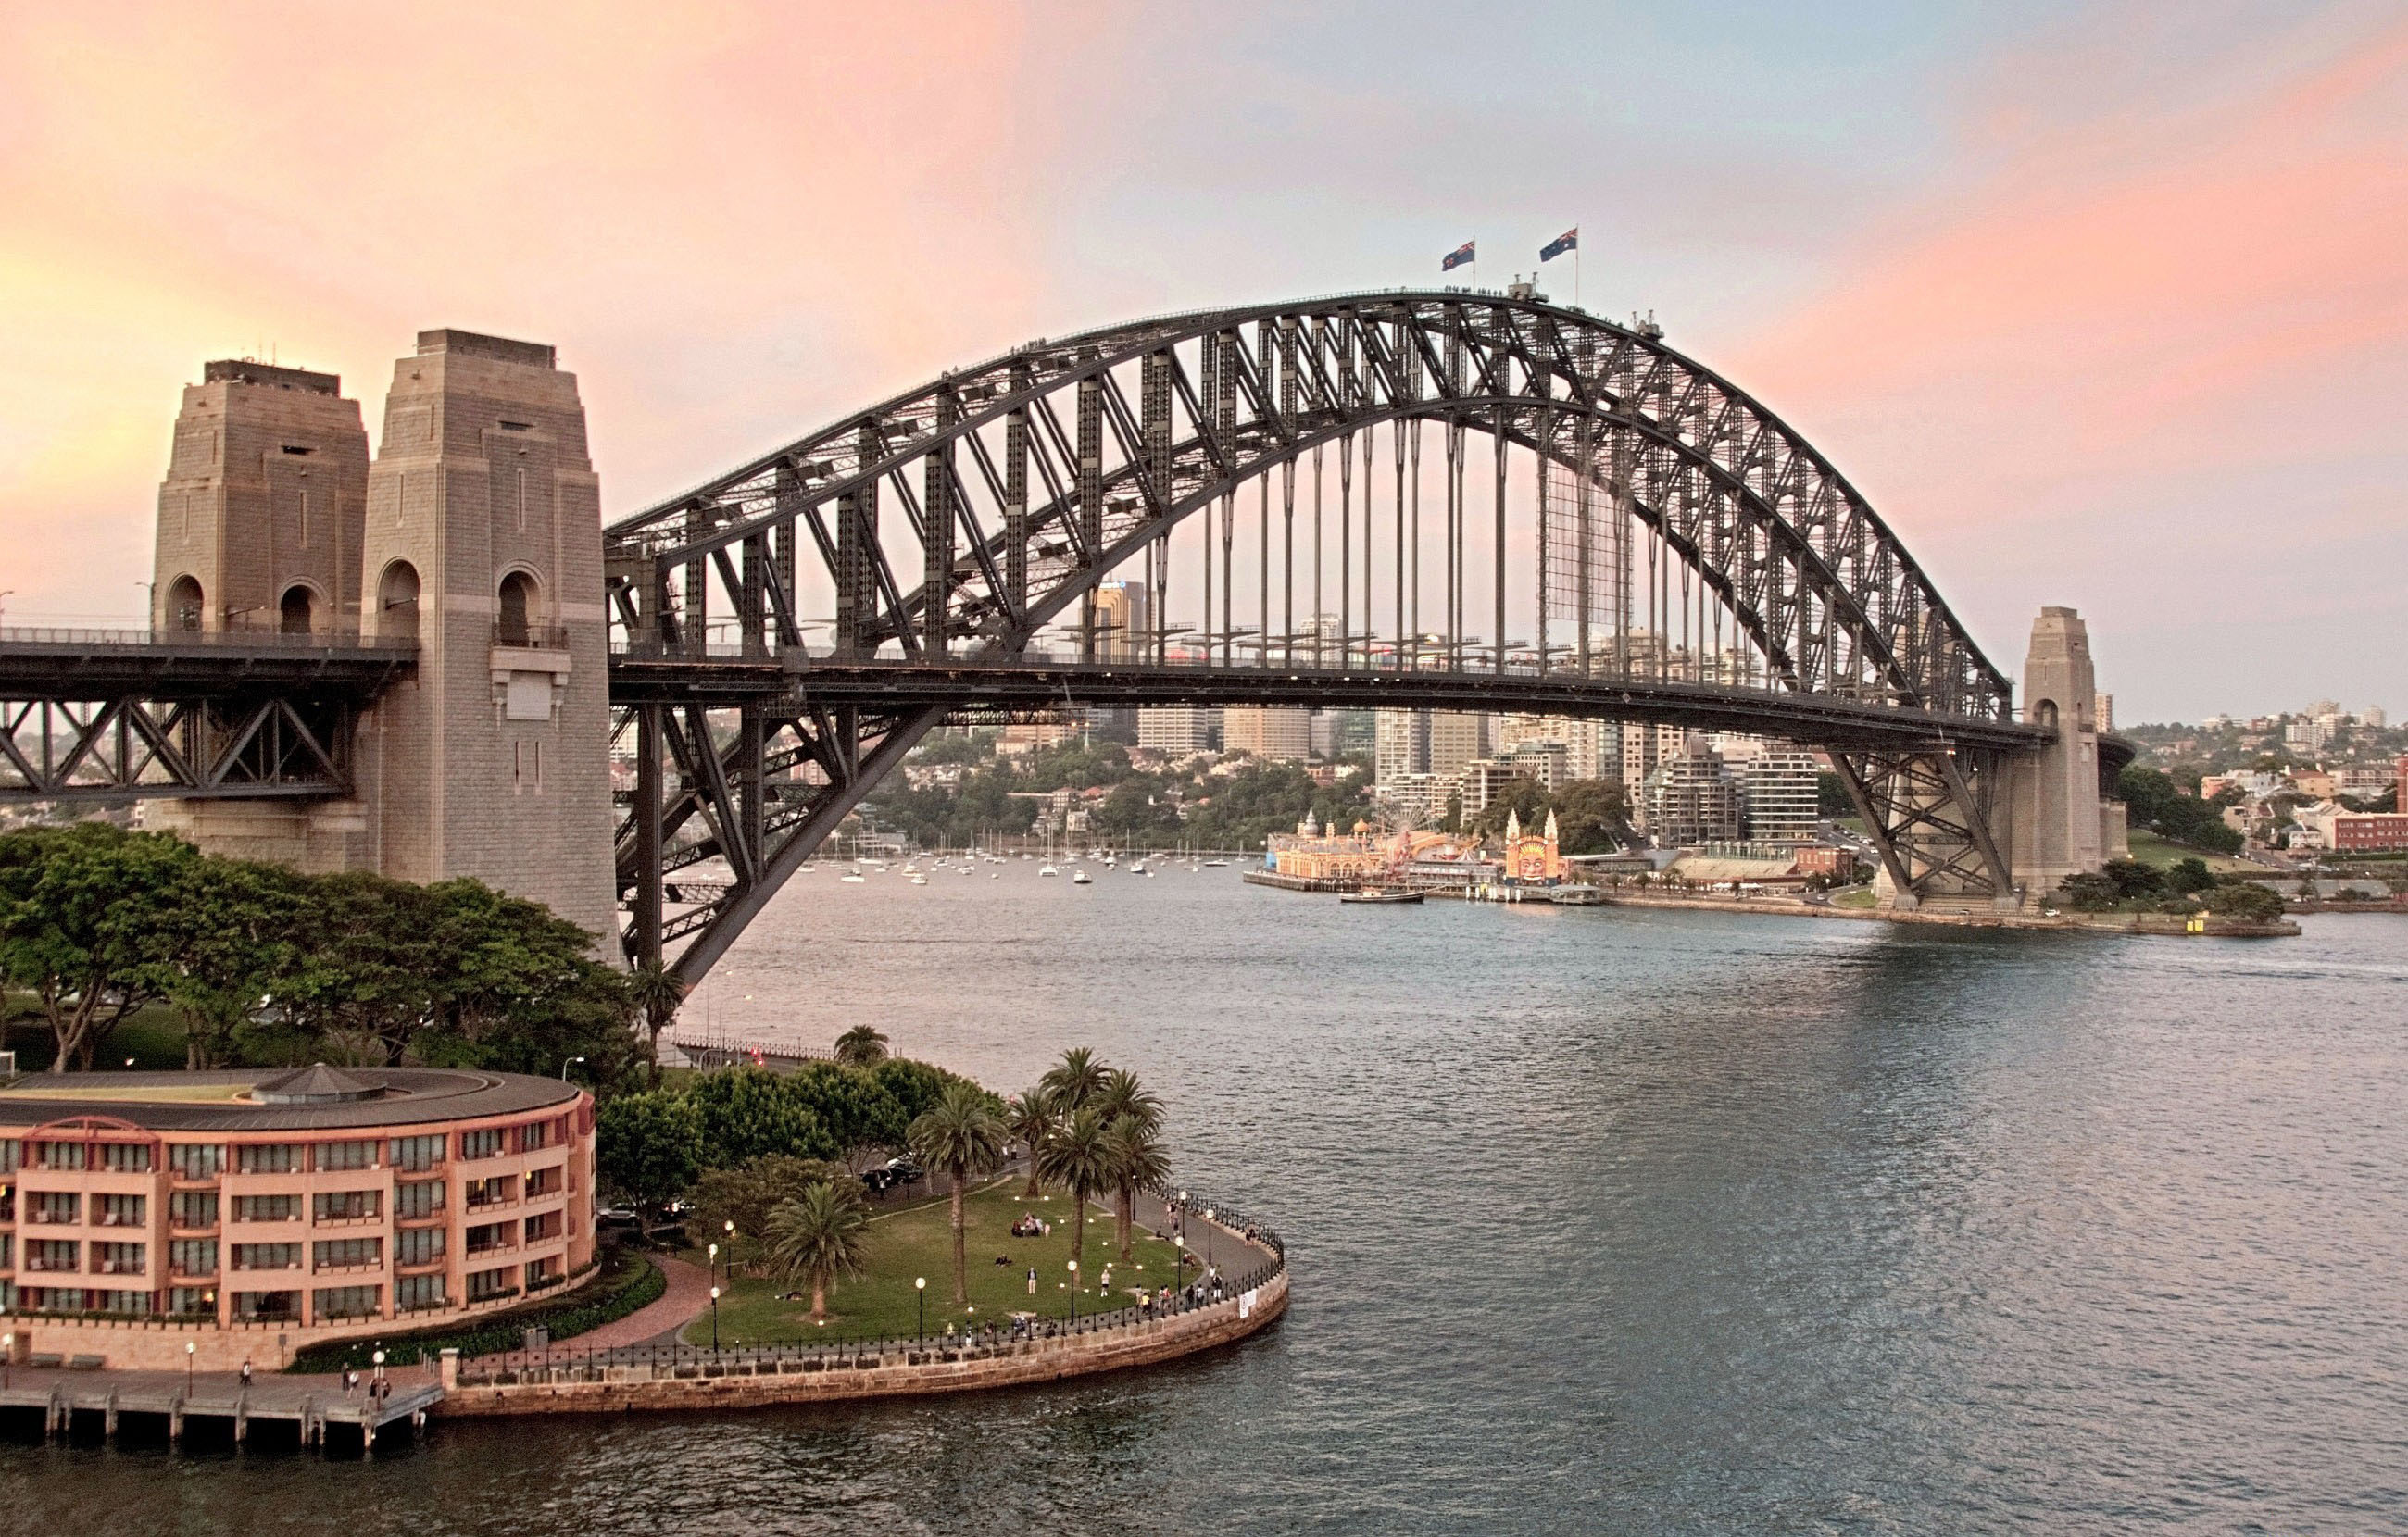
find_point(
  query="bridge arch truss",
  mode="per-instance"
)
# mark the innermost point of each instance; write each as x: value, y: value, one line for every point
x: 1391, y: 496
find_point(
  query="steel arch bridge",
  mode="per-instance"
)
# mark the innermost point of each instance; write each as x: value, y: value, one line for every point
x: 1360, y: 499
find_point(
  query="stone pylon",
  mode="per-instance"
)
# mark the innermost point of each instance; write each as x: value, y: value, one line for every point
x: 2063, y: 824
x: 260, y: 518
x: 484, y: 542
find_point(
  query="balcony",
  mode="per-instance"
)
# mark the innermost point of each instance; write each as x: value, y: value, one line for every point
x: 51, y: 1266
x: 120, y: 1267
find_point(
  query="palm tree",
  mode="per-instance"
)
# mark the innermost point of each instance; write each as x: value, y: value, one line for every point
x: 1138, y: 1160
x: 1120, y: 1094
x: 861, y: 1047
x: 961, y: 1134
x: 819, y: 1237
x: 1076, y: 1158
x: 1073, y: 1080
x: 656, y: 991
x: 1028, y: 1120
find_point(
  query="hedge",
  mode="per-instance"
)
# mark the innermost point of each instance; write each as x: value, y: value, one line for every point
x: 612, y: 1298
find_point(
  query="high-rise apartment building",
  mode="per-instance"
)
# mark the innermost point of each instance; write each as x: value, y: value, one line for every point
x: 1276, y: 734
x: 1177, y: 729
x: 1692, y: 799
x: 1402, y: 744
x: 1456, y: 739
x: 1782, y: 787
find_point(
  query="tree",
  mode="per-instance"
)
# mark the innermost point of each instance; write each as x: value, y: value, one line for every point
x: 1028, y: 1120
x: 1138, y: 1160
x: 222, y: 945
x: 861, y: 1046
x: 818, y: 1237
x: 1591, y: 816
x: 1077, y: 1159
x: 656, y: 993
x: 748, y: 1113
x: 733, y: 1206
x: 854, y: 1109
x: 962, y: 1135
x: 1521, y: 799
x: 2188, y: 876
x: 647, y: 1147
x: 2244, y: 899
x: 79, y: 912
x: 914, y: 1086
x: 1075, y: 1080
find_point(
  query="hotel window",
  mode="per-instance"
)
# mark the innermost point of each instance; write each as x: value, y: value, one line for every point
x: 11, y: 1151
x: 120, y: 1211
x: 412, y: 1292
x: 541, y: 1272
x: 57, y: 1155
x: 192, y: 1302
x: 417, y: 1245
x: 196, y: 1159
x: 419, y: 1200
x: 346, y: 1205
x: 416, y: 1155
x: 264, y: 1306
x: 120, y: 1258
x: 534, y: 1135
x: 481, y: 1193
x: 265, y: 1158
x: 125, y: 1158
x: 119, y: 1301
x: 538, y: 1228
x: 348, y: 1301
x: 55, y: 1206
x: 267, y: 1208
x: 267, y: 1257
x: 54, y: 1254
x: 485, y: 1143
x: 7, y: 1251
x: 543, y: 1182
x: 484, y: 1284
x: 193, y: 1209
x: 344, y: 1253
x: 193, y: 1256
x: 339, y: 1156
x: 492, y: 1236
x: 52, y: 1299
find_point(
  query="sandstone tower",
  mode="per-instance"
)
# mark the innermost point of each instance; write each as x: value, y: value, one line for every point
x: 259, y: 530
x: 484, y: 541
x: 260, y: 514
x: 2062, y: 825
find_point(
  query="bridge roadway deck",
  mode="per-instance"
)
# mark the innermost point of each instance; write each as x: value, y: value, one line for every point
x: 1016, y: 684
x: 93, y: 664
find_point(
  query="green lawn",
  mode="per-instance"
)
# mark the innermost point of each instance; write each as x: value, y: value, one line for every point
x: 917, y: 1241
x: 1856, y: 896
x: 2162, y: 854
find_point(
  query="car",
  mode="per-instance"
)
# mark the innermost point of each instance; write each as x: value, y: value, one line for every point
x: 616, y: 1216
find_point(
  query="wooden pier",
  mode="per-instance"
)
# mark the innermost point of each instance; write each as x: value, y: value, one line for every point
x: 215, y: 1400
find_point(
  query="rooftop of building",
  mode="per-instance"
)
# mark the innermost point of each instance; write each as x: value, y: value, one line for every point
x: 472, y: 344
x: 312, y: 1099
x: 248, y: 371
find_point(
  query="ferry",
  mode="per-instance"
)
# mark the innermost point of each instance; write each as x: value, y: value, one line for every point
x: 1374, y: 896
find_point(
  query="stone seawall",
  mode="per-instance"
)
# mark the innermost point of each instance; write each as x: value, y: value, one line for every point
x: 808, y: 1379
x: 2117, y: 924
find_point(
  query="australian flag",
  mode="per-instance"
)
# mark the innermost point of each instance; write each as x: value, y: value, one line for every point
x: 1461, y: 256
x: 1568, y: 240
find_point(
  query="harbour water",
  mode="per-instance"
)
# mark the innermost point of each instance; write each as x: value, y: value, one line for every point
x: 1602, y: 1219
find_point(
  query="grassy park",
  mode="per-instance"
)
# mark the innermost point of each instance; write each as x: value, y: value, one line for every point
x: 2161, y: 853
x: 917, y: 1241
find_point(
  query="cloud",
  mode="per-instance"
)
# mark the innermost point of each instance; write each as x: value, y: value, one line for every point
x: 2126, y: 330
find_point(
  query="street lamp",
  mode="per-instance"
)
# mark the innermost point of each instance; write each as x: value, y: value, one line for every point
x: 1074, y: 1294
x: 190, y: 1348
x: 565, y: 1067
x: 1208, y: 1238
x: 7, y: 1358
x: 714, y: 1318
x: 375, y: 1358
x: 920, y: 1284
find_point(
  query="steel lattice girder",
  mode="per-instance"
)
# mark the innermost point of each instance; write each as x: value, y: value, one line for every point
x: 1931, y: 822
x: 129, y: 748
x: 1792, y: 550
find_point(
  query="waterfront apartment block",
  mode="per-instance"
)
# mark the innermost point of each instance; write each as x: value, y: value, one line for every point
x: 253, y: 1212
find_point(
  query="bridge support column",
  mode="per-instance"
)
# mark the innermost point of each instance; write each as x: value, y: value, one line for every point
x: 2064, y: 824
x: 1931, y: 824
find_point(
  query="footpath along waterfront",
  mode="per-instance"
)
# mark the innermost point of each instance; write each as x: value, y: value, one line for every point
x: 1648, y: 1222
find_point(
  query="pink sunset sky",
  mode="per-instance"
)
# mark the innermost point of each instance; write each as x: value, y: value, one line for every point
x: 2103, y: 305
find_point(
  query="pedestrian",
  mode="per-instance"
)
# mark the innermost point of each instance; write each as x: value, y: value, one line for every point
x: 351, y: 1380
x: 246, y: 1370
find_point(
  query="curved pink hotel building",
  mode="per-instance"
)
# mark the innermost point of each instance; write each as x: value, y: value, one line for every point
x: 251, y: 1212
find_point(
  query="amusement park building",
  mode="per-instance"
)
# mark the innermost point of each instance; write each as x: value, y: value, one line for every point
x: 251, y: 1212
